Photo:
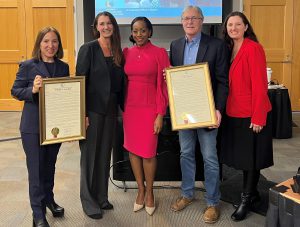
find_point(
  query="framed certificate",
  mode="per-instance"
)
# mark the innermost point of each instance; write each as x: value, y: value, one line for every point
x: 62, y: 110
x: 191, y: 98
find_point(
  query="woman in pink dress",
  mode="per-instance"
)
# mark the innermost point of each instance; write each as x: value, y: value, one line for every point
x: 145, y: 105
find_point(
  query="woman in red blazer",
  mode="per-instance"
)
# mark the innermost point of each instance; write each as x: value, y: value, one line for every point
x: 247, y: 132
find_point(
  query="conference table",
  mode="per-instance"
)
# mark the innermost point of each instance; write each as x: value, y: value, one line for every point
x: 284, y: 206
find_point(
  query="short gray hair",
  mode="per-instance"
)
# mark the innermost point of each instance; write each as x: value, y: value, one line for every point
x: 193, y: 7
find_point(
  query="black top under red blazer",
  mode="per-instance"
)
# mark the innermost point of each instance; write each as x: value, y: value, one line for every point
x: 213, y: 51
x: 91, y: 64
x: 22, y: 90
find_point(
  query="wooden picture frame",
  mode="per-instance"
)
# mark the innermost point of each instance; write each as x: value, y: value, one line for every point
x: 62, y: 110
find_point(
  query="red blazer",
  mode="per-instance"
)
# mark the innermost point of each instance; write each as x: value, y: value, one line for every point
x: 248, y: 85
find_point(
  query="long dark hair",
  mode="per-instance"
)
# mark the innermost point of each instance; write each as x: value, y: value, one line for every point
x: 249, y: 33
x: 115, y: 38
x: 147, y: 23
x: 36, y: 52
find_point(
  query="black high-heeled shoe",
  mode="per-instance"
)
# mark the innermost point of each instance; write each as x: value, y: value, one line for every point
x: 40, y: 222
x: 57, y: 211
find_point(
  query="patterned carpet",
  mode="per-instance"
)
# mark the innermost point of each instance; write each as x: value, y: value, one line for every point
x: 14, y: 188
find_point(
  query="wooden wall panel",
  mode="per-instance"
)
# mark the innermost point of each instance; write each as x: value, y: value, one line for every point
x: 20, y: 21
x: 271, y: 38
x: 9, y: 16
x: 12, y: 39
x: 6, y: 83
x: 277, y: 72
x: 49, y: 3
x: 55, y: 17
x: 59, y: 14
x: 12, y: 49
x: 295, y: 92
x: 7, y: 77
x: 272, y: 21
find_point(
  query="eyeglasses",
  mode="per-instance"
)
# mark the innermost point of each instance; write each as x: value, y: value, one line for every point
x: 185, y: 19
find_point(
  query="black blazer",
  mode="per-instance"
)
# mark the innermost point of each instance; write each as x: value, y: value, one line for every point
x: 91, y: 64
x: 22, y: 90
x: 213, y: 51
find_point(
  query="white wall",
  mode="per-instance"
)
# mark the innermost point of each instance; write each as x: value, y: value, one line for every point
x: 78, y: 24
x: 237, y: 5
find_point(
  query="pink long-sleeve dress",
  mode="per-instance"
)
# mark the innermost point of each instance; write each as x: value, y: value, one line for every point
x: 146, y: 97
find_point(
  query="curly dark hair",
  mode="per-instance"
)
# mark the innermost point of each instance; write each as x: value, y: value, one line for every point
x: 249, y: 33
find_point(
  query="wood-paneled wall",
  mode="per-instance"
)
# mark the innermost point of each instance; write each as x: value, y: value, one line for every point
x: 20, y: 21
x: 295, y: 89
x: 277, y: 25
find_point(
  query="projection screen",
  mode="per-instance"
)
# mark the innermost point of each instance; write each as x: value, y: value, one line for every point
x: 159, y: 11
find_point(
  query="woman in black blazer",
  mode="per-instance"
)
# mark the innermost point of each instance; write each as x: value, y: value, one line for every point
x: 40, y: 160
x: 101, y: 62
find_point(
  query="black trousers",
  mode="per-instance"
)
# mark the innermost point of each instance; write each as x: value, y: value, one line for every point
x: 95, y: 158
x: 40, y: 162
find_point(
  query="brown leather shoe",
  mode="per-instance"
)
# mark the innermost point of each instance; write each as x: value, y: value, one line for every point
x: 181, y: 203
x: 211, y: 214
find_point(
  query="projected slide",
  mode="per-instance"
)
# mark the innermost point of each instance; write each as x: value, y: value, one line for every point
x: 158, y: 11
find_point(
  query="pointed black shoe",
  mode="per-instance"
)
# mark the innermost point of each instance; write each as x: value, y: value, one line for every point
x: 57, y: 211
x: 107, y: 205
x: 40, y: 223
x: 242, y: 210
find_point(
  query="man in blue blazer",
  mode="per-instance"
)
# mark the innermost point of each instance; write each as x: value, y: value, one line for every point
x: 197, y: 47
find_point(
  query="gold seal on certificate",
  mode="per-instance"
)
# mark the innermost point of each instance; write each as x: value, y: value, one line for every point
x: 191, y: 98
x: 185, y: 118
x: 55, y: 132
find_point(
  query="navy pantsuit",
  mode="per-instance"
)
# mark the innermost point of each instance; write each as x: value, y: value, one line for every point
x: 40, y: 160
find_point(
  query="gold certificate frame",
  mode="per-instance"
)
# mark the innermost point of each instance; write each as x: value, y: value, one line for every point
x: 191, y: 98
x: 62, y: 110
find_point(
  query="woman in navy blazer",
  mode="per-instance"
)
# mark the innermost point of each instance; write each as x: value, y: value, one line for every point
x: 40, y: 160
x: 247, y: 132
